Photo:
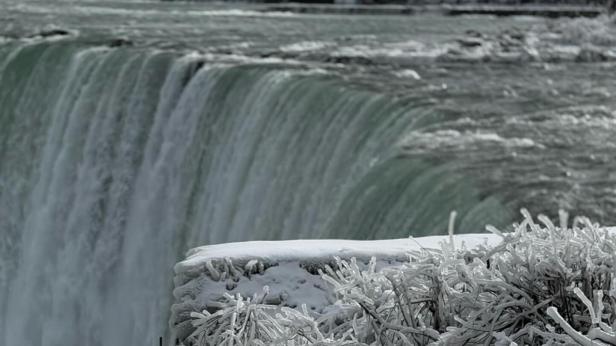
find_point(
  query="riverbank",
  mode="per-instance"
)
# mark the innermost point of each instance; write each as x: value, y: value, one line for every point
x: 550, y: 11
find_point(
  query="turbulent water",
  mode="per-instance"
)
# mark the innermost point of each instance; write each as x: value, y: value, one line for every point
x: 211, y: 124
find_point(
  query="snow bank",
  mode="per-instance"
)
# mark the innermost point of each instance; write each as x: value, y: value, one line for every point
x: 318, y: 249
x: 289, y: 268
x: 505, y: 288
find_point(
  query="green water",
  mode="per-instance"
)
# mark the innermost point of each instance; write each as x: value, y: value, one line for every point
x: 220, y: 123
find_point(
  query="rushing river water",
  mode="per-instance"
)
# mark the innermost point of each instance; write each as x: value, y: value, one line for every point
x: 131, y: 132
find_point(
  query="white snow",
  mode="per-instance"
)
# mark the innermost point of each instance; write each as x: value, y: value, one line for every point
x: 322, y: 249
x: 288, y: 268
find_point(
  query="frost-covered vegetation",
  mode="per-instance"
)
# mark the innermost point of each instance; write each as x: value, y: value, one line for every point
x: 543, y: 285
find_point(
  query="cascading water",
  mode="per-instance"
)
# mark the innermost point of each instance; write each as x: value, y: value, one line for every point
x: 115, y: 161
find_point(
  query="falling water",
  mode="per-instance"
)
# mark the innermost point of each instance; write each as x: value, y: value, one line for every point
x: 115, y: 161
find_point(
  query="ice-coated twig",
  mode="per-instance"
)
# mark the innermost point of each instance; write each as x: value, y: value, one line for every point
x: 574, y: 334
x: 214, y: 274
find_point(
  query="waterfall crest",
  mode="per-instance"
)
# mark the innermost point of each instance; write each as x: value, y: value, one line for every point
x: 115, y: 161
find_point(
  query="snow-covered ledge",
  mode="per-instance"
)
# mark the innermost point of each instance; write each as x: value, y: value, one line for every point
x: 289, y: 268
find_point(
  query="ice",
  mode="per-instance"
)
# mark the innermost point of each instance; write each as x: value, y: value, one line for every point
x: 289, y: 268
x: 317, y: 249
x: 281, y: 274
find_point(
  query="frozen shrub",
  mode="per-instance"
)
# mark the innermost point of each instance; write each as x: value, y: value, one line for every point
x: 543, y: 285
x: 242, y: 321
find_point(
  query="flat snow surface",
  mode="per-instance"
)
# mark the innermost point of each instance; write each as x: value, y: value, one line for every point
x: 324, y: 249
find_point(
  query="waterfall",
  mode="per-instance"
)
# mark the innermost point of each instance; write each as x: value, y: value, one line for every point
x: 115, y: 161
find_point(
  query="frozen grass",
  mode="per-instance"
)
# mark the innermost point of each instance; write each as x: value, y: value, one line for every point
x: 543, y: 285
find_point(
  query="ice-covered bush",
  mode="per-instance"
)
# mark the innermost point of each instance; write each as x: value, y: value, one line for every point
x: 543, y: 285
x: 242, y: 321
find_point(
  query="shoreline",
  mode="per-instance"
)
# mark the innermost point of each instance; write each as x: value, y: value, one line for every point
x: 549, y: 11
